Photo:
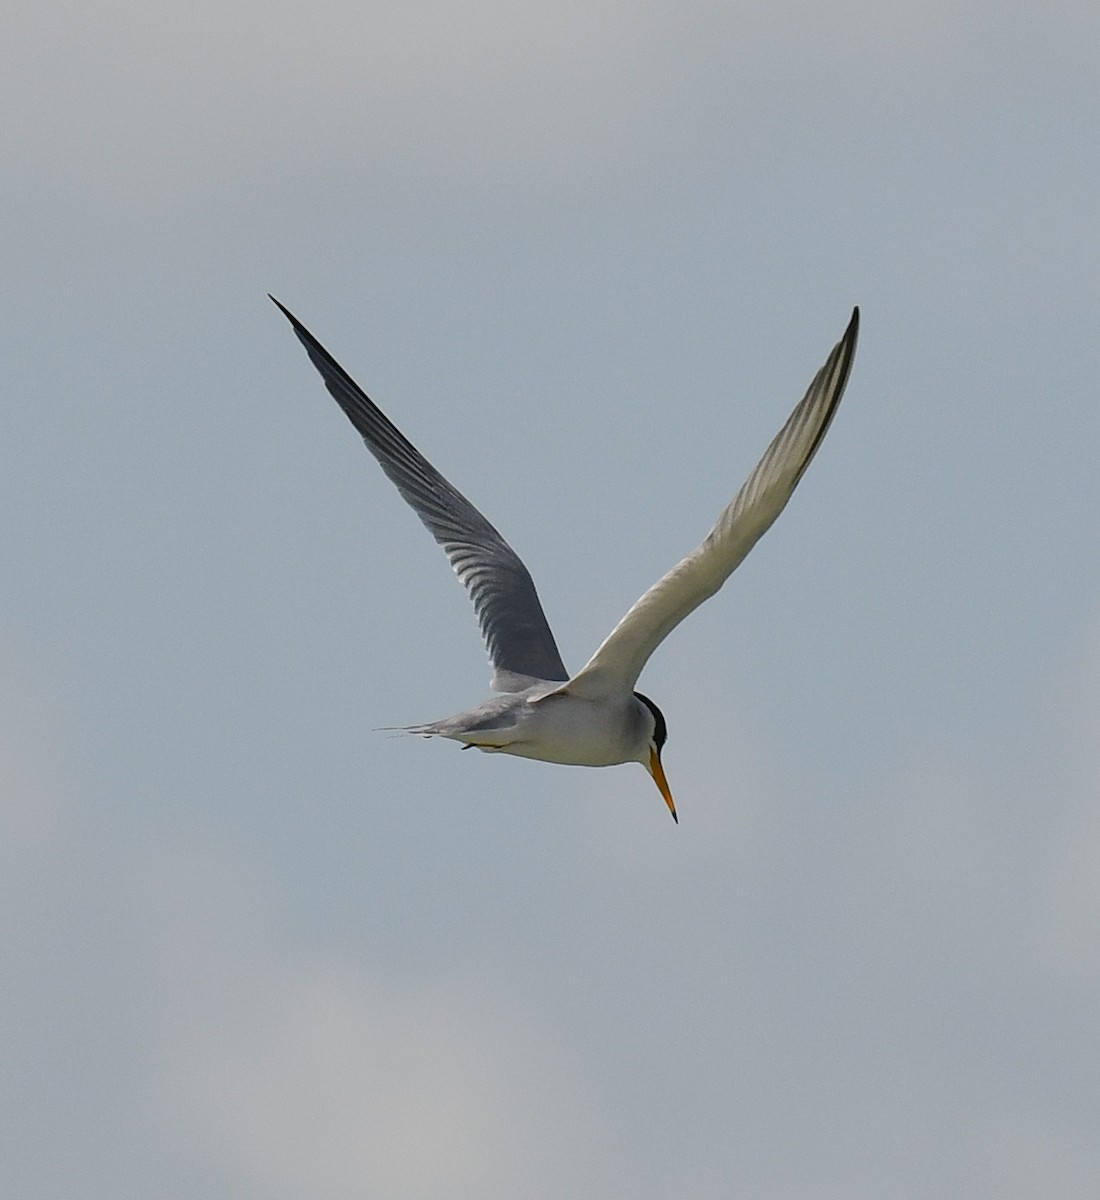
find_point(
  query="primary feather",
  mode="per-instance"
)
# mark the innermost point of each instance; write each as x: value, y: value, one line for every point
x: 509, y: 613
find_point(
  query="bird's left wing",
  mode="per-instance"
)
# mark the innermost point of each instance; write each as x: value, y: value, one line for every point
x: 618, y: 662
x: 521, y: 647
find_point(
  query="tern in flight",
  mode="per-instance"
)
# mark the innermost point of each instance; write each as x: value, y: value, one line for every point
x: 594, y: 718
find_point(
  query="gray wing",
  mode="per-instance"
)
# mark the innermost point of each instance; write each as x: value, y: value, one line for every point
x: 616, y: 665
x: 512, y: 622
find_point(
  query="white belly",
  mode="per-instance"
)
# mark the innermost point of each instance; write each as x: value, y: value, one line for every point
x: 560, y: 729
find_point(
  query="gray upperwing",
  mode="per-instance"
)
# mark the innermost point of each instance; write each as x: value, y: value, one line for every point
x: 508, y: 610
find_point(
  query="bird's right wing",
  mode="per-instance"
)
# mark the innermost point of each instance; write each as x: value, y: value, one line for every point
x: 517, y: 636
x: 618, y: 662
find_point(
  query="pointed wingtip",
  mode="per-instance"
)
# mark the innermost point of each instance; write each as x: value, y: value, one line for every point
x: 316, y: 350
x: 283, y: 309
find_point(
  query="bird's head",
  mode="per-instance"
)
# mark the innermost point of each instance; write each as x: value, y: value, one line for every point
x: 650, y: 757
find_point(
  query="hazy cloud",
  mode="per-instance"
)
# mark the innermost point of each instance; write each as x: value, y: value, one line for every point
x: 135, y: 101
x: 304, y: 1076
x: 134, y: 98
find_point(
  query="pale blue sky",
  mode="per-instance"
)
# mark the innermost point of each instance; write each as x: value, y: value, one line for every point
x: 587, y: 256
